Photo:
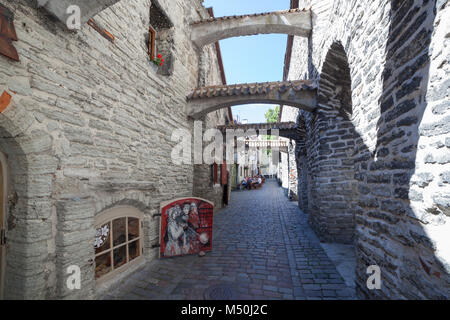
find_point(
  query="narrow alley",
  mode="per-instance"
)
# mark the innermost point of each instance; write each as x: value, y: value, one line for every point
x: 263, y: 248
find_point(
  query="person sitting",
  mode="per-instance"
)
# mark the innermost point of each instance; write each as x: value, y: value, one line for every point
x: 258, y: 183
x: 249, y: 183
x: 243, y: 184
x: 254, y: 182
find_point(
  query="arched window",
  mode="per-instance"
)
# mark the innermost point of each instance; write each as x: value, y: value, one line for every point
x: 118, y: 241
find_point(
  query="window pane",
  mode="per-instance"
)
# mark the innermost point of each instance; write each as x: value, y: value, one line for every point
x: 119, y: 231
x: 102, y: 265
x: 120, y: 256
x: 102, y: 240
x: 134, y: 250
x: 133, y: 228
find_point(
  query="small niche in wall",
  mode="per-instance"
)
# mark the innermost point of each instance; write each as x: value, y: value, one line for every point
x: 160, y: 38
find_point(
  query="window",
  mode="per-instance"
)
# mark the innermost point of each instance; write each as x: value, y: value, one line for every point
x: 118, y: 241
x: 161, y: 38
x: 152, y: 42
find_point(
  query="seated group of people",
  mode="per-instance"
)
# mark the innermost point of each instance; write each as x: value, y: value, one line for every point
x: 251, y: 182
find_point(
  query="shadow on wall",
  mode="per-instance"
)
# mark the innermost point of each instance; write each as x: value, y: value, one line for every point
x: 352, y: 188
x: 412, y: 268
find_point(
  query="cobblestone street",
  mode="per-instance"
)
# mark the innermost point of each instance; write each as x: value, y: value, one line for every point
x: 263, y: 249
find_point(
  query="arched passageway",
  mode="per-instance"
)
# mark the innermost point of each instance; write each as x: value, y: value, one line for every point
x: 24, y: 214
x: 331, y: 167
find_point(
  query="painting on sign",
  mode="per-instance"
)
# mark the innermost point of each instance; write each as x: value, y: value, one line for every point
x: 186, y: 227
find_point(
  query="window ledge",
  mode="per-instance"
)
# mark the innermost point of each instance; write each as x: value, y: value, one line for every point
x: 154, y: 67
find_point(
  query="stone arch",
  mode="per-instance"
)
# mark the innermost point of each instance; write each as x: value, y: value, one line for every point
x: 335, y: 81
x: 300, y: 94
x: 333, y: 188
x: 29, y: 206
x: 398, y: 106
x: 294, y: 22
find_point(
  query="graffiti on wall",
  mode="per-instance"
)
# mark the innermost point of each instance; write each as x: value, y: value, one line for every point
x: 186, y: 227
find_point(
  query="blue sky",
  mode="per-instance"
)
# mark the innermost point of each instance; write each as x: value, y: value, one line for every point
x: 251, y: 59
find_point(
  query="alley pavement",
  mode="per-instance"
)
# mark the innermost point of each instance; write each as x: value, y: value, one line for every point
x: 263, y: 248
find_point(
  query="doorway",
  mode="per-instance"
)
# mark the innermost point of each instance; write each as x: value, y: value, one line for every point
x: 3, y: 201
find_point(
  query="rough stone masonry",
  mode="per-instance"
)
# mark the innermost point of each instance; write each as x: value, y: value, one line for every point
x: 375, y: 168
x: 89, y: 124
x: 89, y: 128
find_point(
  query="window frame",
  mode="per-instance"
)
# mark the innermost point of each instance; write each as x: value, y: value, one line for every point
x: 152, y: 42
x: 109, y: 216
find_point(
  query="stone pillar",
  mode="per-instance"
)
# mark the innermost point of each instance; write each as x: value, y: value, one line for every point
x: 333, y: 187
x: 333, y: 190
x: 74, y: 246
x: 292, y: 173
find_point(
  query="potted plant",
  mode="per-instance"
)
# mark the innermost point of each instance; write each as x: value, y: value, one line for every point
x: 158, y: 61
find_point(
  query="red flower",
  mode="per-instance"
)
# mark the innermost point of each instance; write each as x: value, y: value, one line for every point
x: 162, y: 60
x: 159, y: 56
x: 161, y: 64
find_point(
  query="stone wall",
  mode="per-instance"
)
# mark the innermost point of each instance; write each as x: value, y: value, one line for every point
x: 288, y: 159
x: 377, y: 143
x: 204, y: 186
x: 89, y: 128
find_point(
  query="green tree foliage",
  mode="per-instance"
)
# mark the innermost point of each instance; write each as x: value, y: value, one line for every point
x: 272, y: 115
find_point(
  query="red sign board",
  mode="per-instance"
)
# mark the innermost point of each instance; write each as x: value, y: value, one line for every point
x: 186, y: 227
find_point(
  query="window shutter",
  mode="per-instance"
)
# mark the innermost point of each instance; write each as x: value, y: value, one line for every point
x: 152, y: 43
x: 224, y: 174
x: 215, y: 173
x: 7, y: 34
